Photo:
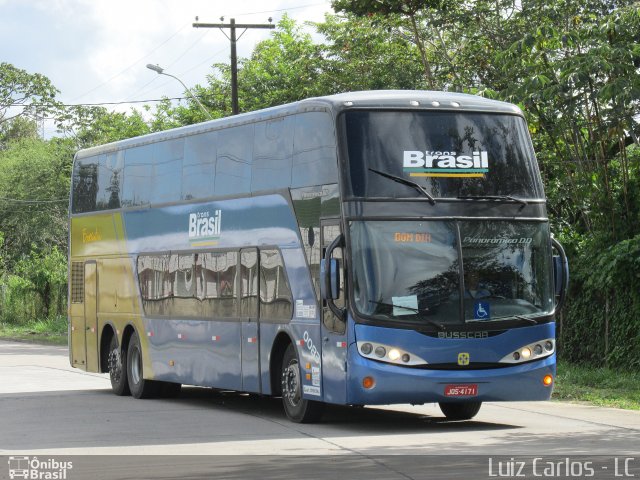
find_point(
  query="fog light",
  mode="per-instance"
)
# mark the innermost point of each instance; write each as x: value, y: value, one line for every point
x: 366, y: 348
x: 548, y: 345
x: 537, y: 349
x: 526, y: 352
x: 394, y: 354
x: 368, y: 382
x: 547, y: 380
x: 381, y: 352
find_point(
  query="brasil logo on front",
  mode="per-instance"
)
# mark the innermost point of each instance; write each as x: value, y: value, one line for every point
x: 445, y: 164
x: 204, y: 228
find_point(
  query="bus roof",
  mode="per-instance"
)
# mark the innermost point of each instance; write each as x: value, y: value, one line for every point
x: 396, y: 99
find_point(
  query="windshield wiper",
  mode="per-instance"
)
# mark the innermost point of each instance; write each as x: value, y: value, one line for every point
x: 526, y: 319
x: 439, y: 326
x: 494, y: 197
x: 408, y: 183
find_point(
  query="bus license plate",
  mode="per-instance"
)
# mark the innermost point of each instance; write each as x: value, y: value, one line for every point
x: 469, y: 390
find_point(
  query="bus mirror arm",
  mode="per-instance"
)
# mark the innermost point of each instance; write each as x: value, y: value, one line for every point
x: 560, y: 273
x: 330, y: 277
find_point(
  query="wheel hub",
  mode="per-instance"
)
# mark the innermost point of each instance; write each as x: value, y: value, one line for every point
x: 291, y: 384
x: 115, y: 365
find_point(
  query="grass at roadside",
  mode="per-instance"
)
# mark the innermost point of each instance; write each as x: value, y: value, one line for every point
x: 51, y: 331
x: 598, y: 386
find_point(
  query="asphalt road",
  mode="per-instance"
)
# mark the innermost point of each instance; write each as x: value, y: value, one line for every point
x: 49, y: 408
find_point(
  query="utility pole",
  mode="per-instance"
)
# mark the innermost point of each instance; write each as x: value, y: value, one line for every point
x: 232, y: 25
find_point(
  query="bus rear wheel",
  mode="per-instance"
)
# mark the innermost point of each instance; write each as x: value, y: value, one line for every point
x: 140, y: 388
x: 298, y: 409
x: 460, y: 411
x: 117, y: 362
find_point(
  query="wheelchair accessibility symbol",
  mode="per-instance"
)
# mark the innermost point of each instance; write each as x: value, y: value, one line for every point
x: 481, y: 311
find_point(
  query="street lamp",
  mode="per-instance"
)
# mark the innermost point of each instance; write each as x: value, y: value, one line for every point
x: 160, y: 71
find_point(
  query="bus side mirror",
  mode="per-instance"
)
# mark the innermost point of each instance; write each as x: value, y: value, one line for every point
x: 560, y: 273
x: 330, y: 287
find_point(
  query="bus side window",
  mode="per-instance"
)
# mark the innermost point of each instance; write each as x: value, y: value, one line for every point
x: 331, y: 322
x: 275, y: 293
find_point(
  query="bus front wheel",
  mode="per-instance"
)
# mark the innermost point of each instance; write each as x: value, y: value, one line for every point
x: 297, y: 408
x: 140, y: 388
x: 117, y: 363
x: 460, y: 411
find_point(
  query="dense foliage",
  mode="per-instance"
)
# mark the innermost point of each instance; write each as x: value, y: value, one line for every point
x: 573, y: 67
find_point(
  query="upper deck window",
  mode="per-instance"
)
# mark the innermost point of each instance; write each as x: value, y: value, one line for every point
x: 449, y: 154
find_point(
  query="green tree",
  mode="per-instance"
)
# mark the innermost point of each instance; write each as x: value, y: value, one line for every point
x: 25, y: 94
x: 89, y: 126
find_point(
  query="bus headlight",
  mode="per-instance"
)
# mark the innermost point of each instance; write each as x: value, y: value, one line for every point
x: 389, y: 354
x: 533, y: 351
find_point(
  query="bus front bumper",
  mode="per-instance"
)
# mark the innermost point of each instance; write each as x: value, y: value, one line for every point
x: 397, y: 384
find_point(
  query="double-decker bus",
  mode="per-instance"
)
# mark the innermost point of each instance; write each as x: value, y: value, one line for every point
x: 365, y: 248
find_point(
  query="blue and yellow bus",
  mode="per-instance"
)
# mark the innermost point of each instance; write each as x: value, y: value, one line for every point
x: 365, y: 248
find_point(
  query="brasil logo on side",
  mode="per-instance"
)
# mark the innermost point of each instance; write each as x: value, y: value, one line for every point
x: 445, y: 164
x: 204, y: 228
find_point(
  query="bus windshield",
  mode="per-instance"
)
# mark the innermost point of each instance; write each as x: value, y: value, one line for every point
x: 419, y: 272
x: 448, y: 154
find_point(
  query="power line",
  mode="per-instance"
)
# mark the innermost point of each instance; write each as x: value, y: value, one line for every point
x: 97, y: 104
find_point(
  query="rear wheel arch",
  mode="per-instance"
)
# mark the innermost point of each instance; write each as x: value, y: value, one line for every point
x: 280, y: 345
x: 108, y: 332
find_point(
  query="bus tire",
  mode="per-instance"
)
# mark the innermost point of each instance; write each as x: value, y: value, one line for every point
x: 140, y: 388
x: 298, y: 409
x: 117, y: 362
x: 460, y: 411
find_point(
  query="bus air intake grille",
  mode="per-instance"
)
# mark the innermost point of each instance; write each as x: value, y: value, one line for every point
x: 77, y: 282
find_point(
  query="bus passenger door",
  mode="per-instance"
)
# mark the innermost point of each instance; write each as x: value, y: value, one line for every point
x: 91, y: 315
x: 334, y: 336
x: 249, y: 318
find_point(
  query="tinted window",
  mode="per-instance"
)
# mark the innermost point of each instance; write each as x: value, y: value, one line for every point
x: 275, y: 294
x: 314, y: 152
x: 138, y: 172
x: 189, y: 285
x: 450, y: 154
x: 216, y: 286
x: 233, y: 168
x: 85, y: 185
x: 272, y: 151
x: 167, y: 169
x: 199, y: 165
x: 249, y: 283
x: 110, y: 172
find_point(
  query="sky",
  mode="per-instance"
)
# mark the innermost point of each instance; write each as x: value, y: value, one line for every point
x: 96, y: 51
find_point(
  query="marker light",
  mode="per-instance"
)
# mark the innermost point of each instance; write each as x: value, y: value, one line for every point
x: 368, y: 382
x: 394, y: 354
x: 547, y: 380
x: 435, y: 103
x: 414, y: 103
x: 533, y: 351
x: 455, y: 104
x: 387, y: 353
